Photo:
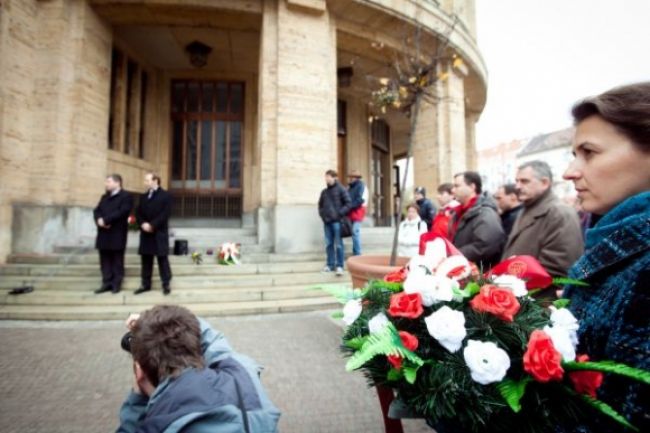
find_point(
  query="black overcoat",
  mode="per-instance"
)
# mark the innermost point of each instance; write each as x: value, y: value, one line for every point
x: 155, y: 211
x: 115, y: 210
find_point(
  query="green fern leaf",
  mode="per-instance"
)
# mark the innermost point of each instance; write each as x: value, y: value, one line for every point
x: 561, y: 303
x: 410, y: 374
x: 342, y: 292
x: 386, y: 342
x: 563, y: 281
x: 610, y: 367
x: 512, y: 391
x: 394, y: 375
x: 356, y: 343
x: 608, y: 410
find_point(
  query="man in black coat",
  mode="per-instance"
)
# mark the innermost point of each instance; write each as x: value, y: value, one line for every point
x: 111, y: 216
x: 152, y: 215
x: 334, y: 204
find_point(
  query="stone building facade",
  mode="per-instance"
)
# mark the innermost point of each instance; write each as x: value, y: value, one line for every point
x: 241, y: 137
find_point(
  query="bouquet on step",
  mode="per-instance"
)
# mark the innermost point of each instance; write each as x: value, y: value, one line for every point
x: 475, y: 351
x: 228, y: 254
x: 133, y: 223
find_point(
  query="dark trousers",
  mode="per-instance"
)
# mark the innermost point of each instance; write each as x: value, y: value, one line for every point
x: 112, y: 265
x: 163, y: 267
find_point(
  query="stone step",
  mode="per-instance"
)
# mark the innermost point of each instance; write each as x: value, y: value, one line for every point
x: 179, y: 269
x: 177, y: 296
x: 91, y: 257
x: 120, y: 312
x: 73, y: 283
x: 132, y: 248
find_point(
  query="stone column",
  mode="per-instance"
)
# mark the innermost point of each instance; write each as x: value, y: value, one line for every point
x: 17, y: 52
x: 56, y: 79
x: 297, y: 129
x: 451, y: 123
x: 471, y: 118
x: 426, y: 149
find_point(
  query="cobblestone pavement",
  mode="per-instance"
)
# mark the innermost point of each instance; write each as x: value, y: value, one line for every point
x: 72, y: 377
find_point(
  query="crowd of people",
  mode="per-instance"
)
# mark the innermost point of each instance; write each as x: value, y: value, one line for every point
x: 181, y: 363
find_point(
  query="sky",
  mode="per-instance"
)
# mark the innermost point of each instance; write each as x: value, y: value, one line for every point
x: 543, y: 55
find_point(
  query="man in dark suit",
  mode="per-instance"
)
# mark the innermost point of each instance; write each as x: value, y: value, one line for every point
x: 152, y: 216
x: 111, y: 216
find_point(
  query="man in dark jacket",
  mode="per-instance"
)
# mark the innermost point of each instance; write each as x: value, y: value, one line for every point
x: 427, y: 209
x: 111, y: 217
x: 476, y: 227
x: 356, y: 190
x: 334, y: 204
x: 152, y: 216
x: 509, y: 205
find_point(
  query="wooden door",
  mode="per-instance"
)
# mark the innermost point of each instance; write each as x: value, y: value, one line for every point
x: 207, y: 143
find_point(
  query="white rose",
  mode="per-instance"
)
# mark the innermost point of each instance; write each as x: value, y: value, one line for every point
x: 352, y: 311
x: 420, y: 265
x: 447, y: 326
x: 433, y: 289
x: 563, y: 318
x: 451, y: 263
x: 378, y: 323
x: 435, y: 251
x: 516, y: 285
x: 487, y: 363
x: 562, y: 341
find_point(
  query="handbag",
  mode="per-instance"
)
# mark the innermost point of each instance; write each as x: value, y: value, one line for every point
x: 346, y: 227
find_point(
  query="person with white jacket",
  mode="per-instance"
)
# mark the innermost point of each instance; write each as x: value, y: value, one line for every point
x: 410, y: 230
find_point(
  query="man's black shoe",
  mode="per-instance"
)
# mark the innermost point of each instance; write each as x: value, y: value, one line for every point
x: 142, y: 290
x: 166, y: 290
x: 115, y: 290
x: 104, y: 288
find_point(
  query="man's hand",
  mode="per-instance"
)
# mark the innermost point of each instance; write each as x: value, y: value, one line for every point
x: 147, y: 227
x: 130, y: 321
x: 100, y: 222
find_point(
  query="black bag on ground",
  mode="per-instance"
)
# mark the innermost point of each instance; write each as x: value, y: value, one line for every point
x: 181, y: 247
x: 346, y: 227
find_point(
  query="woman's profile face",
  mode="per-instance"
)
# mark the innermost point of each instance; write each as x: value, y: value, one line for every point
x: 608, y: 167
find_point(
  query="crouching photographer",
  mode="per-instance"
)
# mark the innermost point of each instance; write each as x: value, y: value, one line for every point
x: 188, y: 378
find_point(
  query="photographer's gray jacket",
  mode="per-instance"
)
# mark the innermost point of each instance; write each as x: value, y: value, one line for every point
x: 214, y: 399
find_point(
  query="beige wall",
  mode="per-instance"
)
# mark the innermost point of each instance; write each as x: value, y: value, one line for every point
x: 54, y: 89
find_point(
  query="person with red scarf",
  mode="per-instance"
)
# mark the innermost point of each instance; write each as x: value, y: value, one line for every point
x: 448, y: 205
x: 475, y: 228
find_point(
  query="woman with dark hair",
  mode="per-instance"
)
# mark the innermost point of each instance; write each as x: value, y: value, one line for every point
x: 611, y: 173
x: 410, y: 231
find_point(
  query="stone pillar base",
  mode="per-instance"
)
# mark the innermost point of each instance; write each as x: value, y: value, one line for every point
x: 39, y: 229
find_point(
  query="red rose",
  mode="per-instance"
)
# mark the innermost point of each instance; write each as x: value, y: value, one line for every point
x: 410, y: 342
x: 398, y: 276
x: 585, y: 381
x: 541, y: 359
x: 496, y: 300
x: 131, y: 219
x: 407, y: 305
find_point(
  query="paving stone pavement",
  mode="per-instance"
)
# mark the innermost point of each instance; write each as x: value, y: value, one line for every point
x: 72, y: 377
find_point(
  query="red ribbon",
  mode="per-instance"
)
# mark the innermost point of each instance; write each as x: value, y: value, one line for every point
x: 526, y: 268
x: 429, y: 237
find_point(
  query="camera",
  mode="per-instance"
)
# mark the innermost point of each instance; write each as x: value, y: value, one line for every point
x: 126, y: 342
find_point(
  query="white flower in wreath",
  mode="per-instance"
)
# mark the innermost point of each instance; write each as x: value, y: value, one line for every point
x: 435, y: 252
x: 352, y: 311
x: 486, y: 361
x: 433, y: 289
x: 378, y: 323
x: 420, y: 265
x: 563, y: 318
x: 516, y: 285
x: 457, y: 265
x: 447, y: 326
x: 562, y: 342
